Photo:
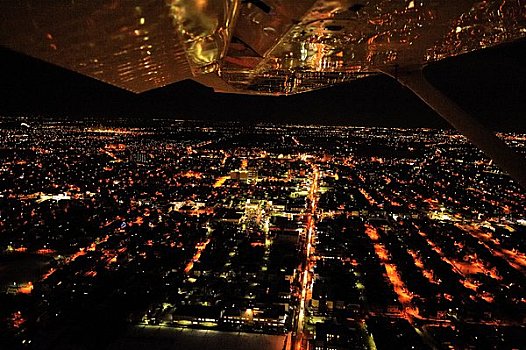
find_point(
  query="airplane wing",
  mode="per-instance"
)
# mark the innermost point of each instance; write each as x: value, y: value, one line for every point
x: 276, y: 47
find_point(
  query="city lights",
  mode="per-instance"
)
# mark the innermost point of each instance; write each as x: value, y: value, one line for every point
x: 303, y: 237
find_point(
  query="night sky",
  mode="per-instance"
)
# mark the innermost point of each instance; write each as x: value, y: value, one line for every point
x: 490, y: 84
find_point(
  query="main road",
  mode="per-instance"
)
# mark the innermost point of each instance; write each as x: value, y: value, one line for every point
x: 300, y: 341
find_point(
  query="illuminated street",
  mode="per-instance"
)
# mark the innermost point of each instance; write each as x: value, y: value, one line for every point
x: 306, y: 273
